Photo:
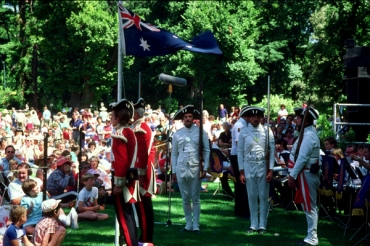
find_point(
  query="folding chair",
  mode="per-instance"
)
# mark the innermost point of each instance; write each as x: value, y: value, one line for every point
x: 367, y: 224
x: 216, y: 168
x: 326, y: 188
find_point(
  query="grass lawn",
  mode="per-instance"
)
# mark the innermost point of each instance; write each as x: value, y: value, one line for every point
x: 219, y: 226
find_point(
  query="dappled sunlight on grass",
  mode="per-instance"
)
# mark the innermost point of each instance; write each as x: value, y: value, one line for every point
x: 219, y: 226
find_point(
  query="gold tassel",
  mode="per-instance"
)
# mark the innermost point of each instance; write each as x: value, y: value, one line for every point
x: 321, y: 191
x: 358, y: 212
x: 328, y: 192
x: 338, y: 195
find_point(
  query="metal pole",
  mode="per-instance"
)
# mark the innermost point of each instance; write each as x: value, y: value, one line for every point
x: 335, y: 120
x: 121, y: 40
x: 45, y: 169
x: 121, y: 52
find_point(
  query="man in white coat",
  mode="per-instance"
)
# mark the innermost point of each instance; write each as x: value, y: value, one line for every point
x: 304, y: 177
x: 255, y: 172
x: 185, y: 165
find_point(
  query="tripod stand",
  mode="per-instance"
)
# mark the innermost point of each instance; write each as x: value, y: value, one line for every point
x: 167, y: 175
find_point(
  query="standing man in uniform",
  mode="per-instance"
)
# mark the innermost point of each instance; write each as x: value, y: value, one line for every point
x: 304, y: 177
x: 146, y: 171
x: 186, y: 166
x: 254, y: 171
x: 241, y: 207
x: 124, y: 150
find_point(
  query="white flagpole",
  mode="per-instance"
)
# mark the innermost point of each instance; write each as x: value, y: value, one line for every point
x: 121, y: 52
x: 119, y: 96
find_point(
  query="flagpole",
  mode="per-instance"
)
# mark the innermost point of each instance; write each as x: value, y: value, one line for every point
x: 119, y: 95
x: 121, y: 52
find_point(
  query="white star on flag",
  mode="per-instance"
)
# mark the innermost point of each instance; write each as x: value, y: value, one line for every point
x: 144, y: 44
x: 189, y: 46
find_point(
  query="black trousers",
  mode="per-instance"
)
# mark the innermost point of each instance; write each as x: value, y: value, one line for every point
x: 126, y: 220
x: 225, y: 184
x: 144, y: 210
x: 240, y: 191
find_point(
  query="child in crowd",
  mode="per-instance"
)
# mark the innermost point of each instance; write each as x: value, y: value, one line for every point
x: 102, y: 197
x: 13, y: 164
x: 88, y: 200
x: 32, y: 202
x: 15, y: 234
x: 67, y: 133
x: 48, y: 231
x: 18, y: 139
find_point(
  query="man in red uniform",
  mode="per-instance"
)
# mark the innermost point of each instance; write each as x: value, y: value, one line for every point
x: 145, y: 166
x: 124, y: 150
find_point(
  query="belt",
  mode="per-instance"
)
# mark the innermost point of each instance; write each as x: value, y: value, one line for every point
x: 306, y: 170
x: 75, y: 130
x: 256, y: 162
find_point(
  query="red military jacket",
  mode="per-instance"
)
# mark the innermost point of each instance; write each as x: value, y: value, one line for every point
x: 145, y: 156
x: 124, y: 151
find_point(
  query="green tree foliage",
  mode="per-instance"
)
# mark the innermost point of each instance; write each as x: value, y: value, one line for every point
x: 66, y: 51
x: 333, y: 23
x: 77, y: 41
x: 275, y: 102
x: 324, y: 127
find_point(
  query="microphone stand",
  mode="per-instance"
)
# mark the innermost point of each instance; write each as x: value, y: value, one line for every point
x: 169, y: 222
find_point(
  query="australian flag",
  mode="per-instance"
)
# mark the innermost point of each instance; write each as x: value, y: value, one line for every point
x: 139, y: 38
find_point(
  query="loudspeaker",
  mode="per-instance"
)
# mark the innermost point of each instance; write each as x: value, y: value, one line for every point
x: 357, y: 92
x: 356, y: 73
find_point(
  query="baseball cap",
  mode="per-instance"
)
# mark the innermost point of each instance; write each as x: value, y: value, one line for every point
x: 49, y: 205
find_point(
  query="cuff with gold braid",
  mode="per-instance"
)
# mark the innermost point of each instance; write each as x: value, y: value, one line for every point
x: 119, y: 181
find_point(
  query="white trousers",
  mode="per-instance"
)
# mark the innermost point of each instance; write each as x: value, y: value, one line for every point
x: 313, y: 182
x: 258, y: 189
x: 190, y: 185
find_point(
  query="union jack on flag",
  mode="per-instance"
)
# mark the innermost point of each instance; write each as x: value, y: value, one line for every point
x: 139, y: 38
x: 134, y: 19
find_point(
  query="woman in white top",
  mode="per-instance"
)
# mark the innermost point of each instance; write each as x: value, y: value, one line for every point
x: 282, y: 113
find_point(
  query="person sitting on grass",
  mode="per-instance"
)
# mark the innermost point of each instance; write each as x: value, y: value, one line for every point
x: 60, y: 179
x: 15, y: 234
x: 102, y: 197
x: 32, y: 202
x: 48, y: 231
x: 88, y: 200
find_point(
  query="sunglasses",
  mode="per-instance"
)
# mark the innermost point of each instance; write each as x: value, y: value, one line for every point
x: 86, y: 167
x: 10, y: 152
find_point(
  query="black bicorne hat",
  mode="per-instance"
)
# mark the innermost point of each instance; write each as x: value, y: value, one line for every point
x: 188, y: 109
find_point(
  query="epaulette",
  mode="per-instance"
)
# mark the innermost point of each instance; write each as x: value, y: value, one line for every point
x: 140, y: 131
x: 119, y: 136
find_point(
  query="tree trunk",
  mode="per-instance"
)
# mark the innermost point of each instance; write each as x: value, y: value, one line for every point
x: 75, y: 99
x: 87, y: 95
x: 34, y: 77
x: 22, y: 40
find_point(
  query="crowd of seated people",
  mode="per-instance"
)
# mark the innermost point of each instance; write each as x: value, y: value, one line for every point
x: 22, y: 166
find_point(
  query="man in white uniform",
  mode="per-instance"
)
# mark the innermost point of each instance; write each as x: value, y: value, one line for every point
x: 185, y: 165
x: 304, y: 177
x: 253, y: 151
